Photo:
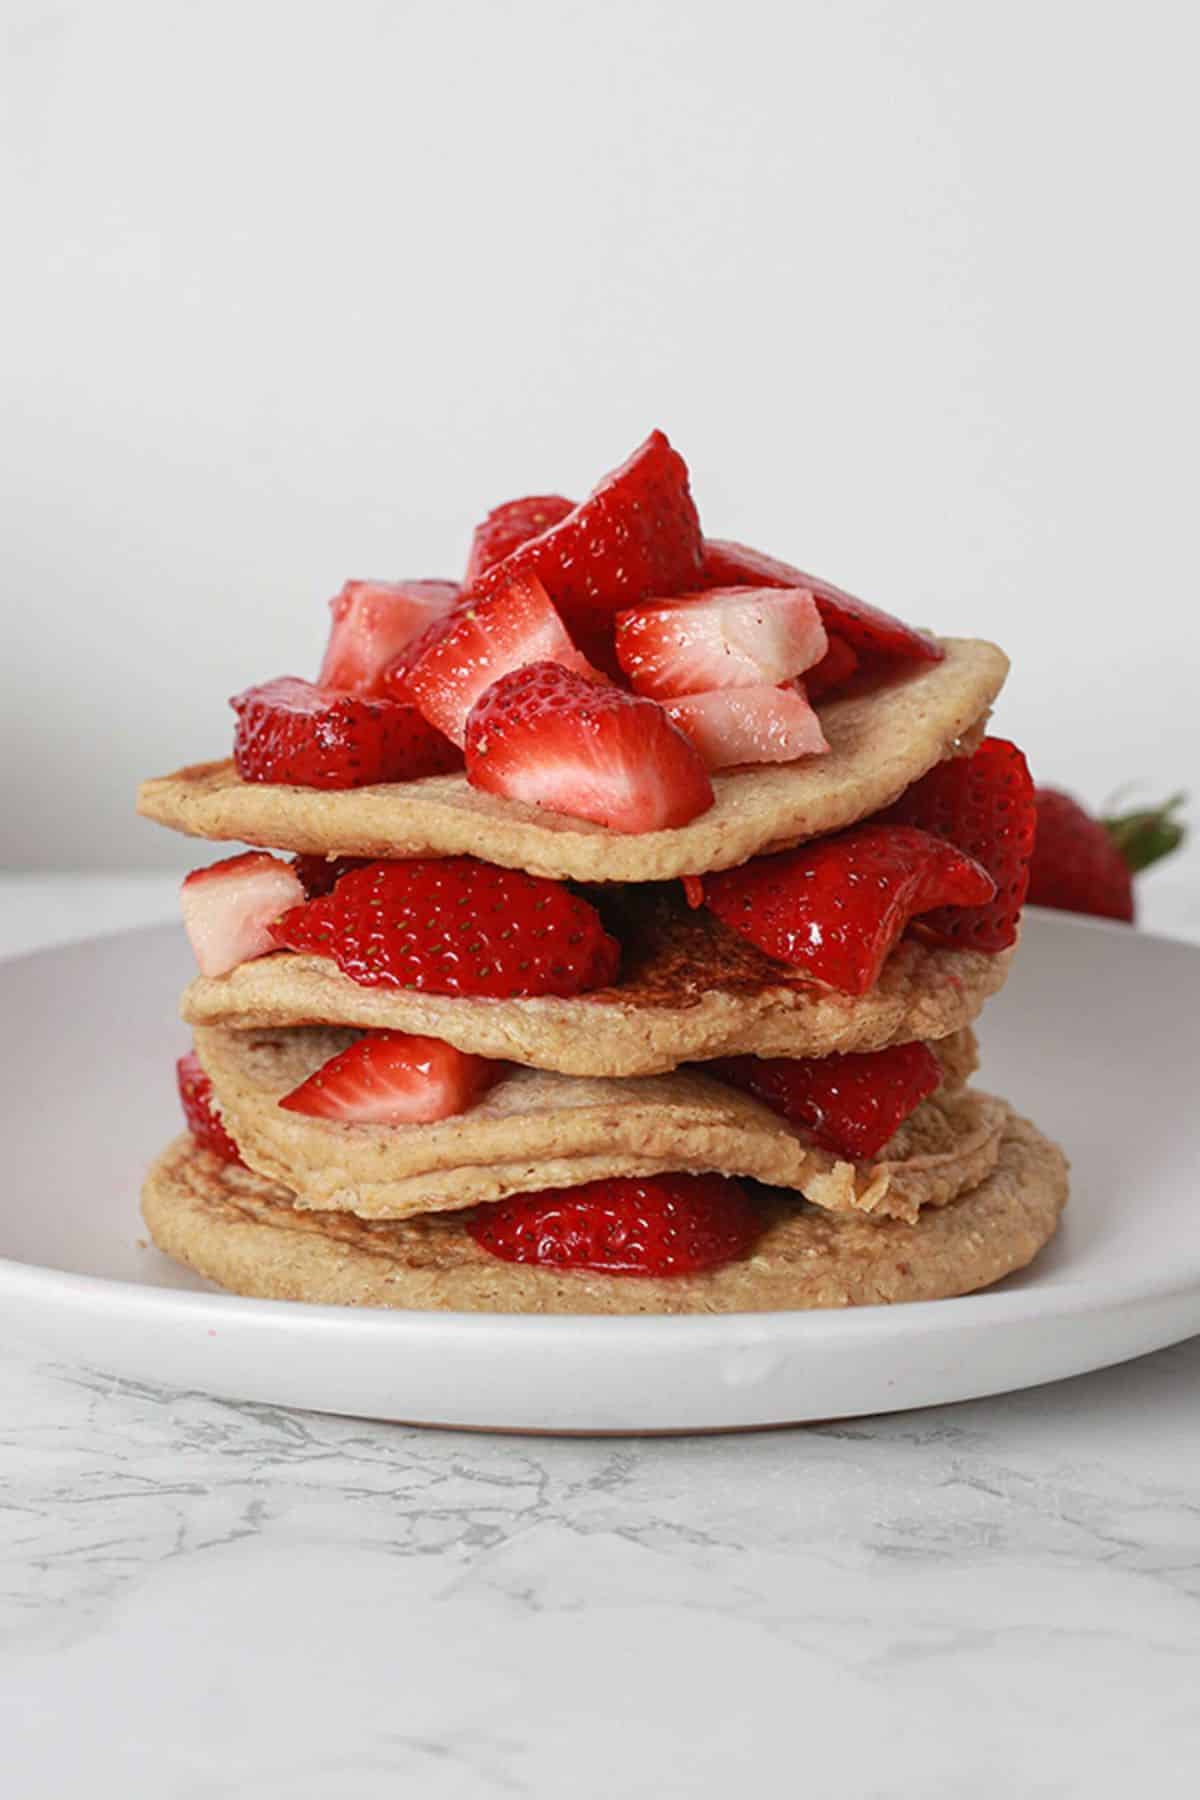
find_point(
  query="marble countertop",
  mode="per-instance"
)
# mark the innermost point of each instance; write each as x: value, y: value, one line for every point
x: 204, y: 1599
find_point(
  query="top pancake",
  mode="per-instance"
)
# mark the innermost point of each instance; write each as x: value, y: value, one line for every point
x: 881, y: 741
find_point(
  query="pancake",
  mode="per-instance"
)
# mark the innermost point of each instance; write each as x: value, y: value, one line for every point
x: 689, y: 990
x: 881, y: 740
x: 534, y: 1130
x: 244, y: 1233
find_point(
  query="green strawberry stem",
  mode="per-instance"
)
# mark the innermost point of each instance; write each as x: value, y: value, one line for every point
x: 1143, y: 837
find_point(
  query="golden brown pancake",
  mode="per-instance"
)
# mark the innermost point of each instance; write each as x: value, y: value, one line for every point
x: 244, y: 1233
x: 534, y: 1130
x: 689, y: 990
x: 881, y: 740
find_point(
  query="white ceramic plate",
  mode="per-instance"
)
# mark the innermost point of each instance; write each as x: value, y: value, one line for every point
x: 1097, y: 1037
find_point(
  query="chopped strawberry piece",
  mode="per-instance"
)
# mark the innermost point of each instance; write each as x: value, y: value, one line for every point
x: 835, y: 907
x: 392, y: 1078
x: 865, y: 628
x: 509, y: 526
x: 730, y: 637
x: 552, y: 738
x: 372, y: 623
x: 693, y: 891
x: 852, y: 1105
x: 290, y: 732
x: 636, y: 534
x: 318, y: 873
x: 836, y: 667
x: 665, y: 1225
x: 203, y: 1121
x: 228, y: 908
x: 503, y: 630
x: 452, y: 925
x: 985, y: 805
x: 735, y: 725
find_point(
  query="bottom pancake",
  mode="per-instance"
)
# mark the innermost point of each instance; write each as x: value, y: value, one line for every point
x: 244, y: 1233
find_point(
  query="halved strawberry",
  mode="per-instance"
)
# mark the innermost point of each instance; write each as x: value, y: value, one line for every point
x: 733, y: 725
x: 663, y: 1225
x: 372, y: 623
x: 985, y: 804
x: 835, y: 907
x: 509, y: 526
x: 511, y: 626
x: 729, y: 637
x: 836, y: 667
x: 393, y: 1078
x: 865, y: 628
x: 452, y: 925
x: 290, y: 732
x: 228, y: 908
x: 203, y: 1121
x: 552, y: 738
x: 636, y: 534
x: 852, y: 1105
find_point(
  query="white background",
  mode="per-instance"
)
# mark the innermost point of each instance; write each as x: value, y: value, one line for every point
x: 296, y: 292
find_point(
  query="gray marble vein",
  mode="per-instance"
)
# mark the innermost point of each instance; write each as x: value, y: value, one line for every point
x: 200, y: 1598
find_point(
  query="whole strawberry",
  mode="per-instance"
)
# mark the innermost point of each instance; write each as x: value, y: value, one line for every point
x: 1086, y: 865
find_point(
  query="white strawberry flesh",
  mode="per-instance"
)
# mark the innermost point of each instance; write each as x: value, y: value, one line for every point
x: 228, y: 908
x: 393, y: 1078
x: 503, y: 631
x: 736, y: 725
x: 729, y: 637
x: 372, y: 622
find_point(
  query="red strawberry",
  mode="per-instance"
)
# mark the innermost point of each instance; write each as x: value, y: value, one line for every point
x: 1086, y: 865
x: 865, y: 628
x: 372, y: 623
x: 984, y: 805
x: 835, y: 907
x: 552, y: 738
x: 392, y: 1078
x: 452, y: 925
x: 509, y: 526
x: 636, y: 534
x: 290, y: 732
x: 665, y: 1225
x: 852, y: 1105
x: 228, y: 908
x: 729, y: 637
x: 318, y: 873
x: 196, y: 1097
x: 513, y: 625
x: 733, y: 725
x: 835, y: 668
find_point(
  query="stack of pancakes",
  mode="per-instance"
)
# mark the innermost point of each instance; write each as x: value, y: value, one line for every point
x: 610, y: 1082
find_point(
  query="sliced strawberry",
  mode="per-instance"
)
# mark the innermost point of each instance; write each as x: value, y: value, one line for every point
x: 203, y: 1121
x: 372, y: 623
x: 835, y: 668
x: 865, y: 628
x: 730, y: 637
x: 509, y: 526
x: 985, y: 805
x: 834, y: 908
x: 318, y: 873
x: 735, y: 725
x: 290, y: 732
x: 452, y: 925
x: 665, y: 1225
x: 228, y: 908
x: 392, y: 1078
x: 852, y: 1105
x: 636, y: 534
x: 503, y: 630
x: 552, y: 738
